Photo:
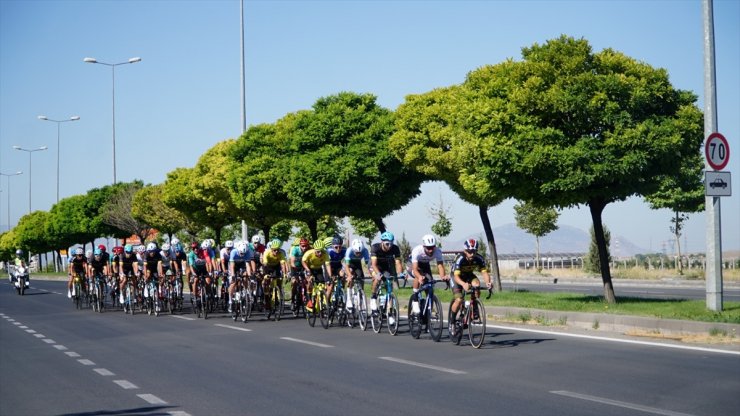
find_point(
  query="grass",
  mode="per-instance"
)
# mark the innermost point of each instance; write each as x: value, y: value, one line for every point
x: 694, y: 310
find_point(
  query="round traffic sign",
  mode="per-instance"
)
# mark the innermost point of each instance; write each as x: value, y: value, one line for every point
x: 717, y: 151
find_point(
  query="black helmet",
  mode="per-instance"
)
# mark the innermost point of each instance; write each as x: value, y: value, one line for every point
x: 19, y: 253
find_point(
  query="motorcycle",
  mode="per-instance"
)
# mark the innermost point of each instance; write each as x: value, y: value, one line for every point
x: 20, y: 277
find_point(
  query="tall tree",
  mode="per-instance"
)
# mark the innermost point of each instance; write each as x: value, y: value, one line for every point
x: 443, y: 224
x: 148, y: 207
x: 589, y: 128
x: 117, y: 211
x: 538, y: 221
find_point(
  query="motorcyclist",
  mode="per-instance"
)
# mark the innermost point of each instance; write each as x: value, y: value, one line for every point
x: 19, y: 261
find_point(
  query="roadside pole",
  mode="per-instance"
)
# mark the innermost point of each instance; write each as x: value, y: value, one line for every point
x: 712, y: 203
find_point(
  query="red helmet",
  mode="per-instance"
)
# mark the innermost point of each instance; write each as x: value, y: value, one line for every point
x: 471, y: 244
x: 117, y: 250
x: 101, y: 247
x: 194, y: 245
x: 304, y: 243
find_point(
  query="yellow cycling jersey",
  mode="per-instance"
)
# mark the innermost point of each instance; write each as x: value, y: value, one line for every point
x: 315, y: 262
x: 273, y: 259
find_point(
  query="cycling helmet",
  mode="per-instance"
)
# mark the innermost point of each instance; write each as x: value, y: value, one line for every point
x: 229, y: 244
x: 88, y: 253
x: 328, y: 241
x: 128, y: 248
x: 194, y: 245
x: 387, y: 236
x: 79, y: 251
x: 296, y: 242
x: 319, y: 245
x: 151, y: 246
x: 357, y: 245
x: 304, y: 243
x: 101, y: 247
x: 275, y: 244
x: 206, y: 244
x: 429, y: 241
x: 471, y: 244
x: 165, y: 247
x: 117, y: 250
x: 241, y: 247
x: 337, y: 241
x: 97, y: 252
x: 258, y: 239
x: 140, y: 249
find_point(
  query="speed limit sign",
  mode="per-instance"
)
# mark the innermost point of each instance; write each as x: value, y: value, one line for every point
x: 717, y: 151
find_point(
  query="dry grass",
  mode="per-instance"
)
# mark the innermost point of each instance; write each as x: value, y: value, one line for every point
x: 712, y: 339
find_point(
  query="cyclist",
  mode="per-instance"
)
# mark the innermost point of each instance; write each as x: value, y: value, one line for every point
x: 225, y: 255
x: 299, y: 248
x: 117, y: 253
x: 313, y: 264
x: 385, y: 257
x: 127, y: 268
x: 180, y: 259
x: 258, y: 247
x: 98, y: 266
x: 77, y: 267
x: 336, y: 257
x: 274, y: 266
x: 153, y: 265
x: 353, y: 265
x: 464, y: 278
x: 241, y: 261
x: 103, y: 253
x: 200, y: 265
x: 421, y: 256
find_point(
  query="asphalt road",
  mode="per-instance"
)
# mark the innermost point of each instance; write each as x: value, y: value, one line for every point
x: 56, y: 360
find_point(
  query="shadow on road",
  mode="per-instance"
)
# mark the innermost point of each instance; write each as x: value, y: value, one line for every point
x: 148, y: 411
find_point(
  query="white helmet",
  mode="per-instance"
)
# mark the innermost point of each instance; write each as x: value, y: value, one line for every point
x: 357, y: 245
x: 206, y: 244
x: 165, y: 247
x: 140, y: 249
x: 241, y: 247
x: 429, y: 241
x: 258, y: 239
x: 175, y: 241
x: 151, y: 246
x: 88, y: 253
x: 79, y: 251
x: 229, y: 244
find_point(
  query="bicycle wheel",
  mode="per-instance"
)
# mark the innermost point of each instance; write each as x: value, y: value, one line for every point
x: 131, y: 298
x: 393, y: 314
x: 78, y: 296
x: 435, y: 319
x: 457, y: 336
x: 376, y: 316
x: 278, y: 302
x: 205, y: 301
x: 323, y: 310
x: 313, y: 312
x: 477, y: 324
x: 361, y: 308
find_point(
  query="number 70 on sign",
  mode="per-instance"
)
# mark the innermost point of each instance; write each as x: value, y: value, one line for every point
x: 717, y: 151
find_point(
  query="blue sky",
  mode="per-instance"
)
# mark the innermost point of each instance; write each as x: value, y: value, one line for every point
x: 184, y: 96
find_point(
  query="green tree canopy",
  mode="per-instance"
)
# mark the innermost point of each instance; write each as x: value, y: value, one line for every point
x: 148, y: 207
x: 536, y: 220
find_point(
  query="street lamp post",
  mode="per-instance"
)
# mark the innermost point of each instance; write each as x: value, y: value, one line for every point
x: 30, y: 152
x: 73, y: 118
x: 113, y: 95
x: 9, y: 175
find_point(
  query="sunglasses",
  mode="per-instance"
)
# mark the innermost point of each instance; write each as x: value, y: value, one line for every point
x: 470, y: 251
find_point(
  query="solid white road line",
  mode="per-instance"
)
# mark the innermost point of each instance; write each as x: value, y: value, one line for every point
x: 103, y: 371
x: 624, y: 341
x: 238, y: 328
x: 151, y: 399
x: 126, y: 384
x: 422, y: 365
x: 315, y: 344
x: 618, y: 403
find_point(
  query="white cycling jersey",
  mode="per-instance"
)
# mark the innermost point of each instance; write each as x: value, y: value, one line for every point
x: 419, y: 255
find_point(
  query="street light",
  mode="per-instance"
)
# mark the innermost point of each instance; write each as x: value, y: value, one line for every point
x: 113, y: 95
x: 30, y: 152
x: 73, y: 118
x: 9, y: 175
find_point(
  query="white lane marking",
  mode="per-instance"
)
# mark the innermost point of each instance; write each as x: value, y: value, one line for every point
x: 60, y: 347
x: 183, y: 317
x: 11, y: 320
x: 234, y: 327
x: 178, y: 413
x: 151, y: 399
x: 315, y: 344
x: 16, y: 323
x: 624, y: 341
x: 49, y: 341
x: 618, y: 403
x: 85, y: 361
x: 72, y: 354
x: 103, y: 371
x: 39, y: 335
x: 23, y: 327
x: 126, y: 384
x: 428, y: 366
x: 30, y: 331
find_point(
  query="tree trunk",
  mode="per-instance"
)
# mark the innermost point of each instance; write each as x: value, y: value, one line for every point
x: 380, y: 224
x: 313, y: 229
x: 538, y: 263
x: 495, y: 273
x: 597, y: 207
x: 679, y: 266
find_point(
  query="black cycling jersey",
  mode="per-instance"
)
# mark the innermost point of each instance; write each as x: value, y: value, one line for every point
x: 386, y: 259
